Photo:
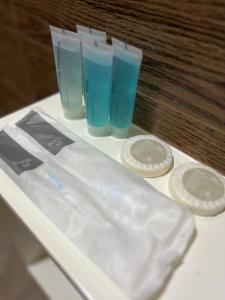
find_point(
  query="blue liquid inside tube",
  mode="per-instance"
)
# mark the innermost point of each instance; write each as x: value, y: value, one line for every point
x: 97, y: 83
x: 85, y: 36
x: 124, y: 86
x: 125, y: 73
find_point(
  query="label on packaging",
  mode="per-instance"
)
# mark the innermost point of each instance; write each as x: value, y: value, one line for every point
x: 44, y: 133
x: 15, y: 156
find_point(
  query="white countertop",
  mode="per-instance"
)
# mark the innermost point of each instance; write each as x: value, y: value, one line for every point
x: 201, y: 276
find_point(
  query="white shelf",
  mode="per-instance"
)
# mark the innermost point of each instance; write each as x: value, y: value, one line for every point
x: 52, y: 281
x: 200, y: 277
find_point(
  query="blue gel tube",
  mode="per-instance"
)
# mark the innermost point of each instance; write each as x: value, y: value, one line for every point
x: 125, y: 73
x: 67, y: 54
x: 97, y: 68
x: 88, y: 35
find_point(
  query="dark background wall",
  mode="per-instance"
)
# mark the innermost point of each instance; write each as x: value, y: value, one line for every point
x: 181, y: 95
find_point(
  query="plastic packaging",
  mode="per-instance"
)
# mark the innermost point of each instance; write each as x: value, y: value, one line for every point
x: 198, y: 187
x: 136, y: 260
x: 147, y: 155
x: 99, y: 35
x: 97, y: 70
x: 67, y: 54
x: 125, y: 72
x: 124, y: 192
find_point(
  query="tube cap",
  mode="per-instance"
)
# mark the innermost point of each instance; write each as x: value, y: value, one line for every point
x: 120, y: 133
x: 99, y: 131
x: 198, y: 187
x: 147, y: 155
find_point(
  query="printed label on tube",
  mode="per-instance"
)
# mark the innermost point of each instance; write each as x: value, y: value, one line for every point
x: 44, y: 133
x: 15, y: 156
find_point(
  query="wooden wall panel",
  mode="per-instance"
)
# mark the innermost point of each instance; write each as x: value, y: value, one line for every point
x: 40, y: 61
x: 14, y: 83
x: 181, y: 96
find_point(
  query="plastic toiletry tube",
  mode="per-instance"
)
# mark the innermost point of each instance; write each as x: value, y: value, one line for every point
x: 97, y: 69
x: 125, y: 72
x: 85, y: 36
x: 67, y: 54
x: 92, y: 32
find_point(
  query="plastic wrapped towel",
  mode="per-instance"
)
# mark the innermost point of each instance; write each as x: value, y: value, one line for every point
x: 123, y: 191
x: 132, y: 257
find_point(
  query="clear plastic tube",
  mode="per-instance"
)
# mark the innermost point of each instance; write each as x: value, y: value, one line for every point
x: 97, y: 69
x: 125, y: 72
x: 86, y: 36
x: 67, y: 54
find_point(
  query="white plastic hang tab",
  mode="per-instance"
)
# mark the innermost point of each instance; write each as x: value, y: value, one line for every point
x: 147, y: 155
x: 91, y: 32
x: 198, y: 187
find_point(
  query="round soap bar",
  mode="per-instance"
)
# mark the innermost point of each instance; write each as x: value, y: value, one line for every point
x: 198, y: 187
x: 147, y: 155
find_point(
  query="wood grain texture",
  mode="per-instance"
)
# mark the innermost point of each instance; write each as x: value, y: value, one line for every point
x: 181, y: 95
